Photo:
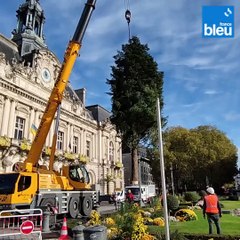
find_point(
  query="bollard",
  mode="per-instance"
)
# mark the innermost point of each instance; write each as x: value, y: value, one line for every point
x: 78, y: 232
x: 46, y: 220
x: 97, y: 232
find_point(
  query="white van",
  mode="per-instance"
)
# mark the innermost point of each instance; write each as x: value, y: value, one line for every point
x: 147, y: 192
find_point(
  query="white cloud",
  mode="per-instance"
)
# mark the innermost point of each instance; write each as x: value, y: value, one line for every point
x: 201, y: 75
x: 210, y: 92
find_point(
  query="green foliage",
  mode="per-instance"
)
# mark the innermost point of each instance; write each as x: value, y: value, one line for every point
x: 200, y: 156
x: 135, y: 85
x: 191, y: 196
x: 128, y: 207
x: 157, y: 214
x: 172, y: 202
x: 130, y: 223
x: 155, y: 203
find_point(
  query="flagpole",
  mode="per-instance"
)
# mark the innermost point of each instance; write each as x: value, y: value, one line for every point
x: 164, y: 192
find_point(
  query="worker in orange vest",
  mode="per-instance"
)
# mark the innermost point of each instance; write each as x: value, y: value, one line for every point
x: 212, y: 209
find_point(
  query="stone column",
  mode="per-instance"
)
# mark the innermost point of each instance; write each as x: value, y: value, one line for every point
x: 68, y: 137
x: 11, y: 119
x: 31, y: 121
x: 71, y: 138
x: 82, y: 141
x: 93, y: 144
x: 5, y: 117
x: 51, y: 133
x: 36, y: 119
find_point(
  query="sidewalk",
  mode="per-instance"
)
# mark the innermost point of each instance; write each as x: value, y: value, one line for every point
x: 54, y: 235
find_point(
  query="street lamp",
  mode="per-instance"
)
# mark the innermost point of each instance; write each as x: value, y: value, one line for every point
x: 172, y: 180
x: 140, y: 182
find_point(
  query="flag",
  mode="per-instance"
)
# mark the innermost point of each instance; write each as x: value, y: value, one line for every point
x: 33, y: 130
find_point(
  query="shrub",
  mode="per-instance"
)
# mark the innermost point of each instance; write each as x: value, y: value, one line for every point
x: 191, y: 196
x: 172, y: 203
x: 158, y: 213
x: 156, y: 203
x: 131, y: 226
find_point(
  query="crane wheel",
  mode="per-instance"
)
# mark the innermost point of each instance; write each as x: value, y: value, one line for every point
x: 86, y: 206
x: 74, y: 207
x: 49, y: 203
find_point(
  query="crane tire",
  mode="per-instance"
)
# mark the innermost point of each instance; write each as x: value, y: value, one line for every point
x: 74, y: 207
x: 86, y: 206
x: 49, y: 203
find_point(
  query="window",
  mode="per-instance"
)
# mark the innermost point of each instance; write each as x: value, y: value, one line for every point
x: 111, y: 152
x: 75, y: 144
x: 60, y: 140
x: 24, y: 183
x: 19, y: 128
x: 88, y: 148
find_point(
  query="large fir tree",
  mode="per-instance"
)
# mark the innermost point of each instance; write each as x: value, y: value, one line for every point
x: 135, y: 86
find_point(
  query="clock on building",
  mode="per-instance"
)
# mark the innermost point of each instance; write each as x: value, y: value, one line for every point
x: 46, y: 75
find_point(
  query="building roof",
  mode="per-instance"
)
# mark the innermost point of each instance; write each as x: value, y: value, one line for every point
x: 99, y: 113
x: 9, y: 48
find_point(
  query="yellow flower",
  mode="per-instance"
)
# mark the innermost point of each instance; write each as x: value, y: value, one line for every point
x: 148, y: 237
x: 148, y: 220
x: 139, y: 229
x: 109, y: 221
x: 5, y: 141
x: 185, y: 215
x: 113, y: 232
x: 159, y: 221
x: 94, y: 218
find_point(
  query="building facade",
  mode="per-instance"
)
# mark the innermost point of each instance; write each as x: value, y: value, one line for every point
x: 28, y: 71
x: 145, y: 175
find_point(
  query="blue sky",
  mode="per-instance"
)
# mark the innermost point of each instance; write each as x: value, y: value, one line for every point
x: 201, y: 84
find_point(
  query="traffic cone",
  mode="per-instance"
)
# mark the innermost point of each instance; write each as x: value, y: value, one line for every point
x: 64, y: 230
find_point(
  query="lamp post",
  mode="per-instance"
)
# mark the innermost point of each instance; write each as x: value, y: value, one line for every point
x: 172, y: 180
x: 140, y: 181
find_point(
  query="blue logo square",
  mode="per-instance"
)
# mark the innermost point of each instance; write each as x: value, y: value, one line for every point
x: 218, y: 21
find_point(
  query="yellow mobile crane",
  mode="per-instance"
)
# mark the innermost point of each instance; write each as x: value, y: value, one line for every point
x: 32, y: 187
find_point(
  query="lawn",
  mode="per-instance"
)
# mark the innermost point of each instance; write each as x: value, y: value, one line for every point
x: 230, y: 224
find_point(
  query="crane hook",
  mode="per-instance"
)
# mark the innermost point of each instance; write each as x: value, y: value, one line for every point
x: 128, y: 16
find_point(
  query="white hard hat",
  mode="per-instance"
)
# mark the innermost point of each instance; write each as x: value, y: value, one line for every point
x: 210, y: 190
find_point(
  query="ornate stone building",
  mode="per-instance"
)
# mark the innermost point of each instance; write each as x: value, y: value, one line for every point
x: 28, y: 71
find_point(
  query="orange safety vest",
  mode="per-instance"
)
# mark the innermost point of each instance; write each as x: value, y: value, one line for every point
x: 211, y: 204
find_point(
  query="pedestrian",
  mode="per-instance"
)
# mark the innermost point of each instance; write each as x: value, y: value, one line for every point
x: 211, y: 208
x: 115, y: 199
x: 129, y: 196
x: 200, y: 202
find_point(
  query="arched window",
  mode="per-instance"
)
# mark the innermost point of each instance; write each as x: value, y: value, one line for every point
x: 111, y: 152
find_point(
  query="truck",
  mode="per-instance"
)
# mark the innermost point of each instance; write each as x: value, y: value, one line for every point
x: 33, y: 186
x: 146, y: 195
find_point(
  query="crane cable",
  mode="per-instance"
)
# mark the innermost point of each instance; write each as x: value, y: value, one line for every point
x: 128, y: 17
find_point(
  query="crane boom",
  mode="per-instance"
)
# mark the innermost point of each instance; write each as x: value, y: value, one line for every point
x: 57, y: 93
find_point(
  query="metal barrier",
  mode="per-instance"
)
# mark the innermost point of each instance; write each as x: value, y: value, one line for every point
x: 21, y: 224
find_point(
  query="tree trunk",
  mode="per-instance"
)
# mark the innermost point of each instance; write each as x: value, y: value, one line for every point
x: 135, y: 170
